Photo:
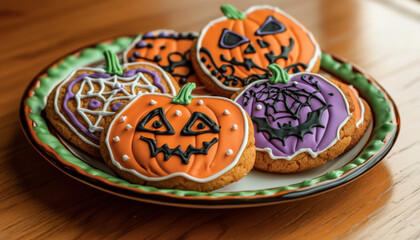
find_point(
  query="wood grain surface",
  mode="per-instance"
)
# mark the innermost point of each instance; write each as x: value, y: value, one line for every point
x: 39, y: 202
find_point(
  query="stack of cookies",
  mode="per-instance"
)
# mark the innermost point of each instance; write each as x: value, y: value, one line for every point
x: 199, y: 111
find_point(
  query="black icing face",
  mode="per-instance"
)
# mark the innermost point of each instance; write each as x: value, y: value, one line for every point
x: 270, y: 26
x: 223, y: 65
x: 203, y: 123
x: 171, y: 52
x: 230, y: 39
x: 156, y: 122
x: 160, y: 126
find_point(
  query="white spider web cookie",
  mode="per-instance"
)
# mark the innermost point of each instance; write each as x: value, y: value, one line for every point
x: 80, y: 106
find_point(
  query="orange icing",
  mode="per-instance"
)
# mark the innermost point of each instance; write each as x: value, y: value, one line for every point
x: 354, y: 94
x: 199, y: 166
x: 171, y: 45
x: 304, y: 50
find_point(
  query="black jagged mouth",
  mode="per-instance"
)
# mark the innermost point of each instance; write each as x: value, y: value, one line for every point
x: 169, y: 152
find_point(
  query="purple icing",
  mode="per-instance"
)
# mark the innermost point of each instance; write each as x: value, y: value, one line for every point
x: 94, y: 104
x: 320, y: 138
x: 148, y: 34
x: 141, y: 44
x: 70, y: 95
x: 156, y: 78
x: 163, y: 34
x: 116, y: 106
x: 270, y: 26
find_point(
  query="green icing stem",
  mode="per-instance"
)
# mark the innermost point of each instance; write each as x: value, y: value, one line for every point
x: 380, y: 106
x: 113, y: 66
x: 184, y: 96
x: 231, y: 12
x: 278, y: 75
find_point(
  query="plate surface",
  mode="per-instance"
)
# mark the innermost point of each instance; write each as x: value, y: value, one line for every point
x: 256, y: 189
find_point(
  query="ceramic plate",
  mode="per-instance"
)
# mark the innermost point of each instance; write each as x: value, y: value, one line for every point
x: 255, y: 189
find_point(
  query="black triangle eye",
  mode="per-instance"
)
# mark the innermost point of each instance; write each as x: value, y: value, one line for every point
x: 230, y: 39
x: 160, y: 125
x: 270, y: 26
x: 199, y: 123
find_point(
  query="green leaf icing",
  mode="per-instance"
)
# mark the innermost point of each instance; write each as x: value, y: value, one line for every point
x: 113, y: 66
x: 278, y: 75
x: 231, y: 12
x: 184, y: 96
x: 375, y: 97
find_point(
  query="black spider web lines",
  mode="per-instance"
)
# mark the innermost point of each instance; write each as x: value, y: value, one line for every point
x: 271, y: 95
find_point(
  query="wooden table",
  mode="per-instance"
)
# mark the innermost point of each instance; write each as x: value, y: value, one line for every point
x: 37, y: 201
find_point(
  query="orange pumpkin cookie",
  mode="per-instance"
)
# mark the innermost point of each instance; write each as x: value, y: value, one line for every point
x: 80, y: 105
x: 200, y: 143
x: 301, y: 121
x: 171, y: 51
x: 362, y: 113
x: 235, y: 50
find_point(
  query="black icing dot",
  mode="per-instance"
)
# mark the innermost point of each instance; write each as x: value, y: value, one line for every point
x: 157, y: 58
x: 223, y: 69
x: 157, y: 124
x: 182, y: 80
x: 226, y: 83
x: 234, y: 82
x: 219, y: 77
x: 201, y: 126
x: 214, y: 72
x: 149, y: 45
x: 203, y: 59
x: 331, y: 94
x: 136, y: 54
x: 208, y: 66
x: 162, y: 47
x: 131, y: 59
x: 190, y: 35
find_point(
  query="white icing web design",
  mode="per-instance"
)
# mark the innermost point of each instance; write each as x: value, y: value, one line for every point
x: 117, y: 85
x: 99, y: 97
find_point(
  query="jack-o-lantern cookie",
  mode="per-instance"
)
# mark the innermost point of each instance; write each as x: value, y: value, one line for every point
x: 236, y: 49
x: 300, y: 121
x: 80, y: 105
x: 171, y: 51
x: 362, y: 113
x: 199, y: 143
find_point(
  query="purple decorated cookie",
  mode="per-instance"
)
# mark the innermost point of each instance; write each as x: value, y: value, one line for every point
x: 300, y: 113
x: 80, y: 105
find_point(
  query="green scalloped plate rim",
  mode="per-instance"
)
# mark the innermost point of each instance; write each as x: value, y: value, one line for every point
x: 385, y: 131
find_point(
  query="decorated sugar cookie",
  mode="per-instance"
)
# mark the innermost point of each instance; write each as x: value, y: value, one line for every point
x: 235, y: 50
x: 300, y: 121
x: 171, y: 51
x: 80, y: 105
x: 362, y: 113
x: 199, y: 143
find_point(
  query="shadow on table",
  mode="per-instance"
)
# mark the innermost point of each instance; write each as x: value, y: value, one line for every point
x: 80, y: 210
